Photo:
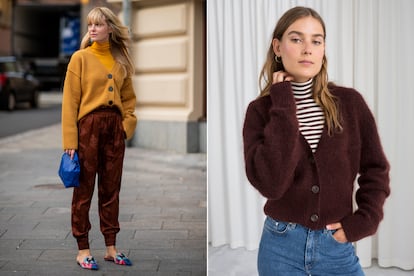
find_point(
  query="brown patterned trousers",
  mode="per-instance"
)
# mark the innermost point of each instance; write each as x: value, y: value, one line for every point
x: 101, y: 152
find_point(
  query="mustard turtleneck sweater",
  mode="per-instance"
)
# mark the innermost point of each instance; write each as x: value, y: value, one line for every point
x: 103, y: 52
x: 94, y: 79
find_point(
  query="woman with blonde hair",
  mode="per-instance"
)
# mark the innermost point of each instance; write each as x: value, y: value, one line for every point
x: 305, y: 142
x: 97, y: 116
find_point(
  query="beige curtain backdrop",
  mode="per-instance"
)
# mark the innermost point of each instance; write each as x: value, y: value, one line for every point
x: 369, y: 47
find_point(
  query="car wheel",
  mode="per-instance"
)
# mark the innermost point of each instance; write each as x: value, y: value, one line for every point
x: 35, y: 100
x: 11, y: 102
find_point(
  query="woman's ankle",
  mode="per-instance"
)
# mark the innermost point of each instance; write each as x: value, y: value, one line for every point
x: 83, y: 253
x: 111, y: 250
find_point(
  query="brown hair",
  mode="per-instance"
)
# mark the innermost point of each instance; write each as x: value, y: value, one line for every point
x: 119, y: 39
x: 321, y: 92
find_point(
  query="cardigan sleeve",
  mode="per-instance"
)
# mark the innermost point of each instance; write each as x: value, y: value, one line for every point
x: 128, y: 103
x: 373, y: 180
x: 271, y: 137
x: 70, y: 103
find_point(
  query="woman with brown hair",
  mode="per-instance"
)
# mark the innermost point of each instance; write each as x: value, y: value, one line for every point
x: 305, y: 142
x: 97, y: 116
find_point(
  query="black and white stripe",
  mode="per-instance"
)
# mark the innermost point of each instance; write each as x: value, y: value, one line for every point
x: 310, y: 115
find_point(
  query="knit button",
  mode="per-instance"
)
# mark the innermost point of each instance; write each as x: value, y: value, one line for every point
x: 314, y: 218
x: 109, y: 76
x: 315, y: 189
x: 110, y: 89
x: 110, y: 102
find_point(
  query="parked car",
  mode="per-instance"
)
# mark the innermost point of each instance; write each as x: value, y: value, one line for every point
x: 17, y: 84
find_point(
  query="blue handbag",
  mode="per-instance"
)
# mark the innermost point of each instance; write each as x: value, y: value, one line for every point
x: 69, y: 170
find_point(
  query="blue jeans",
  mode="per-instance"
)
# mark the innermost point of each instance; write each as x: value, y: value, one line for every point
x: 293, y: 250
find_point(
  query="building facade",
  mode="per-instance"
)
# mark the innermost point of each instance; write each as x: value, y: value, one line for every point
x: 5, y: 26
x: 169, y: 53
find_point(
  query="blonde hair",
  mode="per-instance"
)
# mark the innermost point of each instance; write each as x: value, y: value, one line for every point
x: 321, y: 92
x: 119, y: 38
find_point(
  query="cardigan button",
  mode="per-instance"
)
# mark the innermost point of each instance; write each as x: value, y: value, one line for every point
x: 315, y: 189
x: 314, y: 218
x: 109, y: 76
x: 110, y: 89
x: 110, y: 102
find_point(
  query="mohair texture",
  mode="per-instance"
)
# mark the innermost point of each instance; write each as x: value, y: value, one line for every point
x: 281, y: 166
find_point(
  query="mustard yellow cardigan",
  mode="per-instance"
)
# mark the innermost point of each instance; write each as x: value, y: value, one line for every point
x: 89, y: 85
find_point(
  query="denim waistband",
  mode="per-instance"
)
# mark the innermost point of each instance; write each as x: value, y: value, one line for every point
x: 292, y: 225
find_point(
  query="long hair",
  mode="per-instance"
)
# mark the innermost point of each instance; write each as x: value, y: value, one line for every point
x: 119, y: 38
x: 321, y: 92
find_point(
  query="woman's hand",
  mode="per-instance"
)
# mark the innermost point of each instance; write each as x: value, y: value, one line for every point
x: 70, y: 152
x: 339, y: 235
x: 281, y: 76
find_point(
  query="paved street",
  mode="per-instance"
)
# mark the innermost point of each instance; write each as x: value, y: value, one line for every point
x: 162, y: 211
x: 25, y: 118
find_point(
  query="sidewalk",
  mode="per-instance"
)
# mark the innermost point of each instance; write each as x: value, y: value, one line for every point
x: 162, y: 211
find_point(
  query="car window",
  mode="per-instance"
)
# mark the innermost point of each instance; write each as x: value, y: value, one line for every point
x: 8, y: 67
x: 23, y: 66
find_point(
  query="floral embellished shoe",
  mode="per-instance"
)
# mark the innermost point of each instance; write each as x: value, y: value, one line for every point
x: 119, y: 259
x: 89, y: 263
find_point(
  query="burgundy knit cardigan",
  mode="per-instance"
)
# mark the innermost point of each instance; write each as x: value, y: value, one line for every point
x: 316, y: 189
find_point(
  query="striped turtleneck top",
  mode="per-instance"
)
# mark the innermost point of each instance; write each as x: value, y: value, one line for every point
x: 310, y: 115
